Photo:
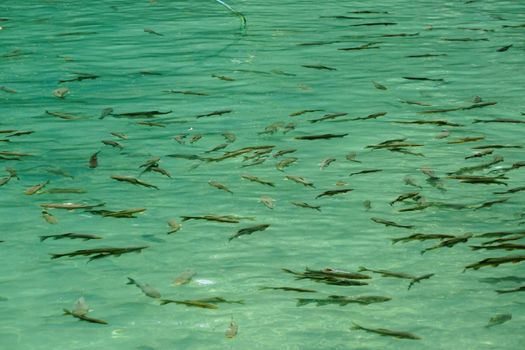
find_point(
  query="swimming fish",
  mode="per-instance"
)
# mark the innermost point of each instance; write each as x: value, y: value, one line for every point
x: 145, y: 288
x: 133, y: 181
x: 49, y: 217
x: 84, y: 317
x: 326, y: 162
x: 498, y: 319
x: 184, y: 277
x: 267, y: 201
x: 194, y: 303
x: 174, y: 226
x: 318, y: 66
x: 334, y: 192
x: 219, y: 186
x: 98, y: 253
x: 379, y: 86
x: 258, y: 180
x: 450, y: 242
x: 232, y: 330
x: 387, y: 332
x: 249, y: 230
x: 496, y: 261
x: 390, y: 223
x: 320, y: 137
x: 61, y: 92
x: 306, y: 205
x: 34, y: 189
x: 93, y: 160
x: 300, y: 180
x: 71, y: 235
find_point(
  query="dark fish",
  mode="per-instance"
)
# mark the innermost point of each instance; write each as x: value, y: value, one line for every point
x: 144, y: 114
x: 361, y: 47
x: 187, y: 92
x: 328, y: 116
x: 505, y: 246
x: 498, y: 319
x: 426, y: 55
x: 301, y: 112
x: 387, y: 332
x: 217, y: 218
x: 283, y: 152
x: 93, y: 160
x: 300, y: 180
x: 151, y: 31
x: 374, y: 24
x: 450, y: 242
x: 514, y: 259
x: 371, y: 116
x: 126, y: 213
x: 258, y: 180
x: 218, y: 147
x: 499, y: 120
x: 306, y: 205
x: 318, y: 66
x: 390, y: 223
x: 334, y: 192
x: 404, y: 196
x: 71, y: 235
x: 511, y: 190
x: 423, y: 79
x: 79, y: 77
x: 249, y: 230
x: 379, y: 86
x: 319, y: 137
x: 290, y: 289
x: 344, y: 300
x: 480, y: 154
x: 105, y: 112
x: 222, y: 77
x: 399, y: 35
x: 98, y: 253
x: 219, y: 186
x: 214, y: 113
x: 325, y: 278
x: 133, y: 181
x: 328, y: 272
x: 145, y: 288
x: 368, y: 171
x: 421, y: 237
x: 112, y: 143
x: 431, y: 122
x: 464, y: 39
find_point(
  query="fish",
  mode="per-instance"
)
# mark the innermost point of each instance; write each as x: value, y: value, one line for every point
x: 34, y: 189
x: 329, y: 116
x: 450, y: 242
x: 258, y: 180
x: 133, y: 181
x: 151, y: 31
x: 218, y: 148
x: 439, y: 122
x: 61, y: 92
x: 318, y: 66
x: 21, y: 133
x: 283, y: 152
x: 218, y: 218
x: 498, y: 319
x: 98, y: 253
x: 499, y: 120
x: 286, y: 162
x: 222, y: 77
x: 480, y: 154
x: 390, y: 223
x: 511, y: 290
x: 79, y: 77
x: 404, y: 196
x: 344, y: 300
x: 187, y: 92
x: 232, y: 330
x: 49, y: 217
x: 304, y: 111
x: 105, y: 112
x: 374, y: 24
x: 326, y: 162
x: 421, y: 237
x: 496, y: 261
x: 174, y: 226
x: 466, y: 139
x: 71, y: 235
x: 371, y: 116
x: 511, y: 190
x: 141, y: 114
x: 306, y: 205
x: 184, y: 277
x: 214, y: 113
x: 194, y: 303
x: 249, y: 231
x: 126, y: 213
x: 329, y: 279
x: 505, y: 246
x: 290, y: 289
x: 145, y: 288
x: 320, y: 137
x: 387, y: 332
x: 300, y: 180
x: 361, y: 47
x: 334, y: 192
x: 84, y: 317
x: 379, y: 86
x: 267, y: 201
x: 426, y: 55
x: 112, y: 143
x: 368, y: 171
x: 219, y: 186
x: 70, y: 206
x: 8, y: 90
x: 329, y: 272
x: 399, y: 35
x: 480, y: 179
x: 351, y: 157
x: 93, y: 160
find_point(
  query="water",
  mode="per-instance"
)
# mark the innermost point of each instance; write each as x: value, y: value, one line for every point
x: 47, y: 41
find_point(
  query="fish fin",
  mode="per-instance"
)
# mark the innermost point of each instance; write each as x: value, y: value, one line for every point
x: 131, y: 281
x: 355, y: 326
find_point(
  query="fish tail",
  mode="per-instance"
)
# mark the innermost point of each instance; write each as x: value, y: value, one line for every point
x: 43, y: 238
x: 67, y: 312
x: 355, y: 326
x: 362, y: 268
x: 56, y: 256
x: 131, y: 281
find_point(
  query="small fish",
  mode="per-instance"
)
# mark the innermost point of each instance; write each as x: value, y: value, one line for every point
x: 61, y: 92
x: 480, y: 154
x: 219, y: 186
x: 249, y: 230
x: 496, y: 261
x: 286, y: 162
x: 133, y: 181
x: 222, y: 77
x: 8, y: 90
x: 283, y: 152
x: 184, y: 278
x: 367, y: 204
x: 320, y: 137
x: 174, y: 226
x: 214, y: 113
x: 232, y: 330
x: 112, y: 143
x: 193, y: 303
x: 34, y: 189
x: 93, y: 160
x: 151, y: 31
x: 218, y: 147
x: 97, y: 253
x: 498, y: 319
x: 326, y: 162
x: 267, y: 201
x: 79, y: 77
x: 84, y: 317
x: 379, y: 86
x: 450, y: 242
x: 511, y: 290
x: 387, y: 332
x: 105, y: 112
x: 301, y: 112
x: 145, y: 288
x: 404, y: 196
x: 368, y: 171
x: 290, y: 289
x: 334, y: 192
x: 258, y: 180
x: 300, y: 180
x: 306, y: 205
x: 318, y: 66
x: 466, y: 139
x: 421, y: 237
x: 504, y: 48
x: 374, y: 24
x: 49, y: 217
x: 390, y: 223
x: 351, y: 157
x: 71, y: 235
x: 187, y: 92
x: 423, y: 79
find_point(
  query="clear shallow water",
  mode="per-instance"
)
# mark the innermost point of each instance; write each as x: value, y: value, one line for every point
x: 45, y: 41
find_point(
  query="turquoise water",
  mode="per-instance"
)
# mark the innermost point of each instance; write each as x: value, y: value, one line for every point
x: 47, y: 41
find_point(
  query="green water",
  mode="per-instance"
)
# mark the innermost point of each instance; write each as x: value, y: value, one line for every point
x: 43, y: 42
